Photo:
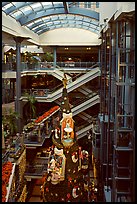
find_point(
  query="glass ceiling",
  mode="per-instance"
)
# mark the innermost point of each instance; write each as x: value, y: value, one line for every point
x: 44, y: 16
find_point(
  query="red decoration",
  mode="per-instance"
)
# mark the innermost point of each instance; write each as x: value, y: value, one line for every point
x: 68, y: 195
x: 69, y: 181
x: 6, y: 172
x: 46, y: 114
x: 47, y: 190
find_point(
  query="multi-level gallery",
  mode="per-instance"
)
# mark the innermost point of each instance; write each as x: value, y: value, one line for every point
x: 68, y: 102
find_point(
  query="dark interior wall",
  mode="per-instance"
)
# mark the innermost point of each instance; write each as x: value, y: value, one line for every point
x: 83, y: 54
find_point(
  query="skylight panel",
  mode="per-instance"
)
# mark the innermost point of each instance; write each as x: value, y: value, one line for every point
x: 73, y: 21
x: 49, y: 23
x: 35, y: 28
x: 30, y: 24
x: 39, y: 30
x: 64, y: 25
x: 17, y: 13
x: 47, y: 18
x: 36, y: 6
x: 62, y: 17
x: 39, y: 26
x: 79, y: 17
x: 26, y: 8
x: 79, y: 22
x: 37, y: 21
x: 70, y: 16
x: 54, y: 18
x: 57, y: 3
x: 57, y: 22
x: 46, y: 4
x: 59, y: 26
x: 4, y: 8
x: 16, y: 4
x: 86, y: 24
x: 93, y: 26
x: 34, y: 20
x: 52, y: 27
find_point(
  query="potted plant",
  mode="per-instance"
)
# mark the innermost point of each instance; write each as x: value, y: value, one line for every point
x: 48, y: 56
x: 9, y: 121
x: 31, y: 103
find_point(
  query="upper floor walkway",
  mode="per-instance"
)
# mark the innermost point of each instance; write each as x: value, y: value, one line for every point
x: 26, y: 67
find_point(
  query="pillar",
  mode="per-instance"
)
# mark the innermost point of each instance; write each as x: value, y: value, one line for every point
x: 3, y: 138
x: 55, y: 56
x: 18, y: 107
x: 39, y: 134
x: 47, y: 128
x: 3, y: 60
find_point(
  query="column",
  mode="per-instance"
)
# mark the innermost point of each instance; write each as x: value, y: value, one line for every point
x: 39, y: 134
x: 47, y: 127
x: 3, y: 52
x: 3, y: 138
x: 18, y: 107
x: 54, y: 56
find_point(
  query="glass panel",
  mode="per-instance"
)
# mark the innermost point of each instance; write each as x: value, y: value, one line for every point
x: 4, y: 8
x: 49, y: 23
x: 45, y: 19
x: 30, y: 24
x: 53, y: 18
x: 61, y: 20
x: 26, y: 8
x: 38, y: 20
x: 57, y: 22
x: 97, y: 4
x: 57, y: 3
x: 39, y: 30
x: 36, y: 5
x: 16, y: 4
x: 43, y: 24
x: 17, y: 13
x: 46, y: 3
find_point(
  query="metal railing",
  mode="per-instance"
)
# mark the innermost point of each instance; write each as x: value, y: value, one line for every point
x: 16, y: 147
x: 25, y: 66
x: 38, y: 167
x: 5, y: 157
x: 83, y: 99
x: 45, y: 92
x: 30, y: 138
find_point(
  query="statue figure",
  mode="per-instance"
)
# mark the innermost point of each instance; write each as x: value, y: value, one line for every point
x: 64, y: 80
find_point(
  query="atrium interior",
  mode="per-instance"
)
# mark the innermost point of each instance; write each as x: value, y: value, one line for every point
x: 68, y: 101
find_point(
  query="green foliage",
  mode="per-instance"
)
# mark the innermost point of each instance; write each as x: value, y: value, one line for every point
x: 9, y: 121
x: 31, y: 58
x: 48, y: 56
x: 32, y: 108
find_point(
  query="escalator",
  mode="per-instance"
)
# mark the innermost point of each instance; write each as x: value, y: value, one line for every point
x: 89, y: 99
x: 85, y: 104
x: 60, y: 74
x: 56, y: 94
x: 83, y: 131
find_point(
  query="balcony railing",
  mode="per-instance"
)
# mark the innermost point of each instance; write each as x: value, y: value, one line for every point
x: 36, y: 92
x: 44, y: 92
x: 14, y: 149
x: 38, y: 167
x: 47, y: 65
x: 33, y: 139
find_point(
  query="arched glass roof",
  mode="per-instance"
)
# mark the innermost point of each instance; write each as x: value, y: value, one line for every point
x: 44, y: 16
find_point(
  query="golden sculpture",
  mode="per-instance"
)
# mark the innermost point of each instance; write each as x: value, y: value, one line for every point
x: 65, y: 80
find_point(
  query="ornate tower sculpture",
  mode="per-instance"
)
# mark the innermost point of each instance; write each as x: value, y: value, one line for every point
x: 64, y: 181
